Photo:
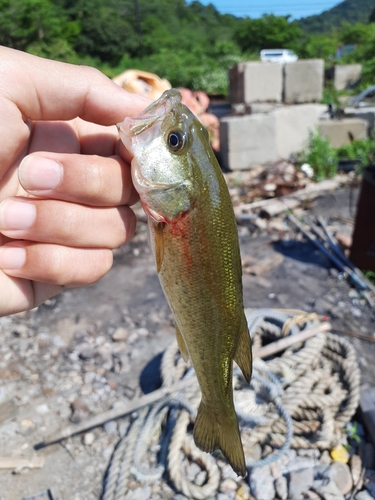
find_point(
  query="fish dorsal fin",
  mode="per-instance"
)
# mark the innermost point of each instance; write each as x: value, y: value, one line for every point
x: 181, y: 344
x: 159, y: 244
x: 243, y: 353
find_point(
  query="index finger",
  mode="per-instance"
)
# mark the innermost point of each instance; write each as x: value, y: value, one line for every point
x: 49, y: 90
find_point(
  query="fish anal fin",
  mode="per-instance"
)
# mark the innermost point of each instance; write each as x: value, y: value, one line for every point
x: 181, y: 344
x: 243, y: 355
x: 213, y: 432
x: 159, y: 244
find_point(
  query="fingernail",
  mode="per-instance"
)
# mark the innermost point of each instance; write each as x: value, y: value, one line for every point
x: 16, y: 214
x: 37, y: 173
x: 12, y: 257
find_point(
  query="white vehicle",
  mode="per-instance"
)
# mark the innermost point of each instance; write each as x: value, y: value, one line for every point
x: 278, y: 55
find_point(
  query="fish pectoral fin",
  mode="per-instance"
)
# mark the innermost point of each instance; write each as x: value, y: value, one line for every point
x: 211, y: 434
x: 243, y: 355
x: 159, y: 244
x: 181, y: 344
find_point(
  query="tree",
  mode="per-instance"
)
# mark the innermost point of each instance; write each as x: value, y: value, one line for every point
x: 268, y: 32
x: 23, y: 22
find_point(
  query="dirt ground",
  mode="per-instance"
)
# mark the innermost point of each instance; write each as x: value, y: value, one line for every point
x: 82, y: 352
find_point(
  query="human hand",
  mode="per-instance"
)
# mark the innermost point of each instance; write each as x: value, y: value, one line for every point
x: 64, y: 189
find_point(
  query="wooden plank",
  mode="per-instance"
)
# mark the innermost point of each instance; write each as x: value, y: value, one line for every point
x: 20, y: 463
x: 278, y: 205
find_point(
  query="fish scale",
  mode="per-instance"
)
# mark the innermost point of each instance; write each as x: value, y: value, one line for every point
x: 194, y: 240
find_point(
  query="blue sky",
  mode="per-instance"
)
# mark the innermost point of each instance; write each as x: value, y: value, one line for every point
x: 256, y: 8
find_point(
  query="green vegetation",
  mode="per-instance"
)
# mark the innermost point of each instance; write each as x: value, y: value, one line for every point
x: 359, y: 150
x: 190, y: 44
x: 370, y: 275
x: 320, y: 155
x: 324, y: 158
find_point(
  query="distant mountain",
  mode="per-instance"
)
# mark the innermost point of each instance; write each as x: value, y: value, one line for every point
x: 350, y: 10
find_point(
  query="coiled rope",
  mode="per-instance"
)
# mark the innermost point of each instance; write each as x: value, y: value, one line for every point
x: 301, y: 399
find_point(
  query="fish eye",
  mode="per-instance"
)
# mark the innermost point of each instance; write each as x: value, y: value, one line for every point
x: 176, y: 140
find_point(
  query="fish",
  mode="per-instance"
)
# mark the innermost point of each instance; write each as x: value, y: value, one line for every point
x: 194, y: 240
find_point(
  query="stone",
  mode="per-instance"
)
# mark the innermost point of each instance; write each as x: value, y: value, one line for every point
x: 200, y: 478
x: 346, y: 76
x: 110, y: 427
x: 325, y: 458
x: 224, y: 496
x: 303, y: 81
x: 86, y: 352
x: 329, y: 491
x: 250, y: 140
x: 42, y: 409
x: 88, y: 438
x: 193, y: 470
x: 312, y: 453
x: 300, y: 463
x: 254, y: 81
x: 281, y: 487
x: 339, y: 132
x: 243, y: 492
x: 321, y: 471
x: 300, y: 481
x: 340, y: 474
x: 366, y: 113
x: 355, y: 468
x: 228, y: 486
x: 120, y: 334
x: 363, y: 495
x: 261, y: 483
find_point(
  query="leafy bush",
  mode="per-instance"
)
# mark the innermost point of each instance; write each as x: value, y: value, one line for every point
x: 320, y: 155
x: 359, y: 150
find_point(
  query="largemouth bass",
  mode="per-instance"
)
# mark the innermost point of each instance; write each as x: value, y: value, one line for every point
x: 194, y: 240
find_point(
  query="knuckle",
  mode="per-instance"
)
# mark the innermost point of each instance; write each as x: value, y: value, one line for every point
x: 93, y: 183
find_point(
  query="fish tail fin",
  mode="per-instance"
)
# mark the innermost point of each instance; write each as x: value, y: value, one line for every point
x: 211, y: 434
x: 243, y: 355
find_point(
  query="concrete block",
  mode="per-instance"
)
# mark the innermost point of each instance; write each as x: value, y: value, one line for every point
x: 255, y: 81
x: 341, y: 132
x: 303, y: 81
x: 346, y: 76
x: 293, y: 124
x: 263, y: 82
x: 255, y: 139
x: 365, y: 113
x: 236, y: 83
x: 246, y: 141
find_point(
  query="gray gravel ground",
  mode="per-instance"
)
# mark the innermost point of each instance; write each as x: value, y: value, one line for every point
x: 85, y: 350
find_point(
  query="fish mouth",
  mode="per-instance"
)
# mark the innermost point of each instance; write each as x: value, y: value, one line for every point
x: 156, y: 111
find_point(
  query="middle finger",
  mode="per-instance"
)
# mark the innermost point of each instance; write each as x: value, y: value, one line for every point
x: 87, y: 179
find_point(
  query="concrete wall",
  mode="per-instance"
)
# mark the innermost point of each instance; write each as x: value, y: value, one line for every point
x: 254, y: 81
x: 250, y: 140
x: 293, y: 124
x: 341, y: 132
x: 247, y: 140
x: 303, y: 81
x: 346, y: 76
x: 366, y: 113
